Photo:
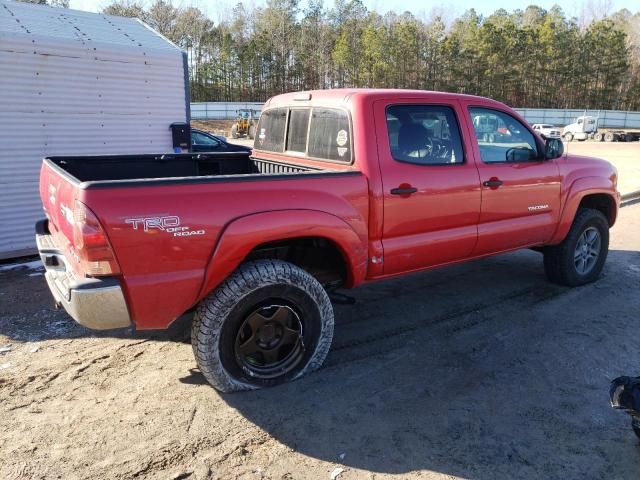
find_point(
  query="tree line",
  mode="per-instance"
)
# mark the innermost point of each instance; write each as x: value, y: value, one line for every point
x: 525, y: 58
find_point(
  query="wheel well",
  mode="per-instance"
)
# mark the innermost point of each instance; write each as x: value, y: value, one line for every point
x: 601, y: 202
x: 319, y: 256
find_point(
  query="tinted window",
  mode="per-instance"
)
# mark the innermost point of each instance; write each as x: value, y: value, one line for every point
x: 271, y: 130
x: 502, y: 138
x: 198, y: 138
x: 329, y: 135
x: 297, y: 132
x: 424, y: 134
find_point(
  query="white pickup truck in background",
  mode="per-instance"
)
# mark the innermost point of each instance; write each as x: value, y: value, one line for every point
x: 546, y: 129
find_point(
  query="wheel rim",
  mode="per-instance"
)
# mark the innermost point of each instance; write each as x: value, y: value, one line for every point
x: 587, y: 250
x: 270, y: 341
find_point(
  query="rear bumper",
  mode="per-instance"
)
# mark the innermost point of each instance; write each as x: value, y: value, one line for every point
x: 95, y: 303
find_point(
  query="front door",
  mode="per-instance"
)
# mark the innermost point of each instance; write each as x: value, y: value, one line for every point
x: 520, y: 189
x: 431, y: 185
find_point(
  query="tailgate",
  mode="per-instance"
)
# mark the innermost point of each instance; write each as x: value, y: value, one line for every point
x: 58, y: 192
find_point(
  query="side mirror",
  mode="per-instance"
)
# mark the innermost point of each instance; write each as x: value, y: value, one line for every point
x: 553, y: 148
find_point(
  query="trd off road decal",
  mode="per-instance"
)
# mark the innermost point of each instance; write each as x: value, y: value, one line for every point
x: 170, y: 224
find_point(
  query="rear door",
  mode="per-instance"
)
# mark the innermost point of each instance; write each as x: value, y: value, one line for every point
x: 431, y: 185
x: 520, y: 189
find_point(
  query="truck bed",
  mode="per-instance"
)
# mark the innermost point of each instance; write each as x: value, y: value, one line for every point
x: 111, y: 168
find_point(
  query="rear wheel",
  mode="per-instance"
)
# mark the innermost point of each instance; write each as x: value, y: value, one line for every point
x: 252, y: 132
x: 234, y: 131
x: 579, y: 259
x: 598, y: 137
x: 268, y: 323
x: 609, y: 137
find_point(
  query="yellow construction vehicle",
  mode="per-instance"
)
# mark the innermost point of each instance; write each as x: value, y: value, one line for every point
x: 245, y: 125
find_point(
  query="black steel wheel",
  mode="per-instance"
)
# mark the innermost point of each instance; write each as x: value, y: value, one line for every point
x: 268, y: 323
x: 270, y: 341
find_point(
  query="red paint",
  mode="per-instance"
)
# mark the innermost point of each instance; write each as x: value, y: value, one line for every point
x: 451, y: 217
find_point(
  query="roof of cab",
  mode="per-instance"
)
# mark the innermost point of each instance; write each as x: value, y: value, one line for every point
x: 343, y: 96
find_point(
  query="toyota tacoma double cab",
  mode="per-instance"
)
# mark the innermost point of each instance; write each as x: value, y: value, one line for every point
x: 343, y: 187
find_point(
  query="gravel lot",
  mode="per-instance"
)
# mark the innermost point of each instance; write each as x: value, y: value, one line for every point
x: 481, y: 371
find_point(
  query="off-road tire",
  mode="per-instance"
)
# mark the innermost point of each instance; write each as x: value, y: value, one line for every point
x: 234, y: 131
x: 219, y: 316
x: 251, y: 133
x: 559, y: 263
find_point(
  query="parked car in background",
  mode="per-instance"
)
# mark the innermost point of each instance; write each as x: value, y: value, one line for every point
x: 546, y: 129
x: 206, y: 142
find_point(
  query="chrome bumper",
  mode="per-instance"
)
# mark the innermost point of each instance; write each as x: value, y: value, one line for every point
x: 92, y: 302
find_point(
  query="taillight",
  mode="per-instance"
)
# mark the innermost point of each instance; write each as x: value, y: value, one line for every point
x: 91, y: 244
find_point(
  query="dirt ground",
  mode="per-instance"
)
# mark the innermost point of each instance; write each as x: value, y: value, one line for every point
x: 480, y: 371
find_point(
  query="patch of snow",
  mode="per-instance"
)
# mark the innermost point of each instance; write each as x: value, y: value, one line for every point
x: 336, y: 473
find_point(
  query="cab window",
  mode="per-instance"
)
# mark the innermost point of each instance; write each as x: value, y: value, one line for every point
x: 501, y: 137
x: 271, y: 128
x: 424, y: 134
x: 329, y: 136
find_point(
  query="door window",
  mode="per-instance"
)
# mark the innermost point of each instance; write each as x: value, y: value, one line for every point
x: 198, y: 138
x: 502, y: 138
x: 424, y: 134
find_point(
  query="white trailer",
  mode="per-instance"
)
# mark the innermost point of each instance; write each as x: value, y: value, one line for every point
x: 77, y: 83
x: 586, y: 127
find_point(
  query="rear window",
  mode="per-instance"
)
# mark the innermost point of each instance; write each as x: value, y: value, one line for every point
x: 298, y: 126
x: 329, y: 135
x: 316, y: 132
x: 271, y: 130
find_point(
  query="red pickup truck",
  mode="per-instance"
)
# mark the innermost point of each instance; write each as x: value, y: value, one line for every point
x: 343, y: 187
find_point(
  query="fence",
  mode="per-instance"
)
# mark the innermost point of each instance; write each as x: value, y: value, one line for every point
x: 606, y: 118
x: 559, y: 117
x: 220, y: 110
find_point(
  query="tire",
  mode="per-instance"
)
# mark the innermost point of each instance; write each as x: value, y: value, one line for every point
x: 598, y: 137
x: 628, y: 137
x: 568, y: 137
x: 242, y: 314
x: 252, y: 132
x: 561, y: 263
x: 609, y: 137
x: 234, y: 131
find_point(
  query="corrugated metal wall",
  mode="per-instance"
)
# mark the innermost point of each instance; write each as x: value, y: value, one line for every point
x: 76, y: 83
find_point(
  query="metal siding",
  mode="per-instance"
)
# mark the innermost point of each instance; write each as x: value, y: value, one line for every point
x: 76, y: 83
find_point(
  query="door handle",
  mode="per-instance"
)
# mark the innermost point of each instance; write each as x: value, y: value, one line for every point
x: 493, y: 183
x: 403, y: 191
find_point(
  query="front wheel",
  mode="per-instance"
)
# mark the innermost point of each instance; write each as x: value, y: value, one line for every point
x: 268, y: 323
x: 568, y: 137
x: 579, y: 259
